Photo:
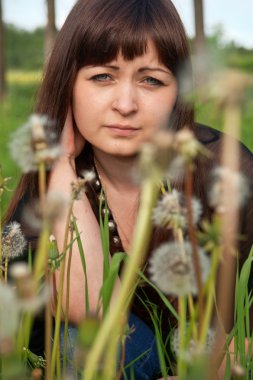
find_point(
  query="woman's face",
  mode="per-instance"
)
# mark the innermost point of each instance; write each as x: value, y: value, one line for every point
x: 121, y: 104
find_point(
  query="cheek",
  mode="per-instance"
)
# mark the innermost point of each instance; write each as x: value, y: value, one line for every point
x: 161, y: 114
x: 82, y: 109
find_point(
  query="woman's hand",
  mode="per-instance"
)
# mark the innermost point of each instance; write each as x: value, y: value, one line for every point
x: 72, y: 144
x: 71, y: 139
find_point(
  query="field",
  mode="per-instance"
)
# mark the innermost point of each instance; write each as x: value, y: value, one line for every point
x: 18, y: 105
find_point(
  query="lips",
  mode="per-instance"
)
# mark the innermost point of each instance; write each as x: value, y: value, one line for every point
x: 122, y: 130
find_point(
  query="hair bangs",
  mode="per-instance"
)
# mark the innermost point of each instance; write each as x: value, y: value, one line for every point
x: 128, y: 33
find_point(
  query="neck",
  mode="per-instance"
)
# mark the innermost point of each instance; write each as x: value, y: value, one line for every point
x: 116, y: 171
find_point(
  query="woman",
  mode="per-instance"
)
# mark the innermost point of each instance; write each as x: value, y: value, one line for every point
x: 111, y: 83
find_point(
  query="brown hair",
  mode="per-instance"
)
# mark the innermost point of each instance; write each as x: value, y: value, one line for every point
x: 95, y: 31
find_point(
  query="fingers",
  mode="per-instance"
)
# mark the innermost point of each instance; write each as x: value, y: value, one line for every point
x: 71, y: 139
x: 67, y: 136
x: 79, y: 141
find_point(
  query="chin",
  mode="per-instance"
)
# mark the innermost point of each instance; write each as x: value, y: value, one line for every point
x: 124, y: 152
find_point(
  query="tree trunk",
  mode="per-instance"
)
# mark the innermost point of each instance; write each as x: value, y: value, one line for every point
x: 51, y: 30
x: 199, y: 27
x: 2, y: 56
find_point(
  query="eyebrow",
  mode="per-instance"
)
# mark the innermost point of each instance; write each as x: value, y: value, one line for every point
x: 145, y: 68
x: 154, y: 69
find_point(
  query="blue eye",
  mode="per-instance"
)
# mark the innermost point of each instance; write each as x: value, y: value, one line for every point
x: 101, y: 77
x: 153, y: 81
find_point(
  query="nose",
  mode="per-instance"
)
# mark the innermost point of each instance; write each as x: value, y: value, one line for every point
x: 125, y: 100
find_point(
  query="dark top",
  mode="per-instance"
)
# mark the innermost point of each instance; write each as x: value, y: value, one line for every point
x: 212, y: 141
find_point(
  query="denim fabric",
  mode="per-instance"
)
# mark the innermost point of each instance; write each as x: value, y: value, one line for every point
x: 71, y: 344
x: 139, y: 344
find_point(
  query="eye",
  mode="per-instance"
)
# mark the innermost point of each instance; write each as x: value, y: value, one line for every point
x: 153, y: 81
x: 101, y: 77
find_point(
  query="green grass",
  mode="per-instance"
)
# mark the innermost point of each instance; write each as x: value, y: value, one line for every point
x: 14, y: 111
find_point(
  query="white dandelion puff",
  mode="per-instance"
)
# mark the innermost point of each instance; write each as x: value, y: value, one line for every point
x: 172, y: 270
x: 9, y: 312
x: 171, y: 211
x: 79, y: 185
x: 53, y: 209
x: 88, y: 175
x: 33, y: 143
x: 13, y: 241
x: 35, y: 304
x: 188, y: 146
x: 194, y: 348
x: 238, y: 372
x: 28, y: 299
x: 238, y: 184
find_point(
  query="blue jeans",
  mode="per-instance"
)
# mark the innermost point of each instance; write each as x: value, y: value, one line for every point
x: 140, y: 344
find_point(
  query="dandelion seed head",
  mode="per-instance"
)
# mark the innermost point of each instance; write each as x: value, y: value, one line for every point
x: 187, y: 145
x: 237, y: 183
x: 37, y: 373
x: 19, y: 270
x: 156, y: 155
x: 88, y: 175
x: 53, y: 209
x: 176, y: 170
x: 194, y: 348
x: 238, y: 372
x: 9, y: 312
x: 23, y: 279
x: 171, y: 211
x: 171, y: 268
x: 35, y: 302
x: 229, y: 85
x: 55, y: 204
x: 13, y: 241
x: 35, y: 142
x: 49, y: 155
x: 3, y: 182
x: 78, y: 188
x: 7, y: 346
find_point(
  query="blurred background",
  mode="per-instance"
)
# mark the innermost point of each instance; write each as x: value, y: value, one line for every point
x: 220, y: 32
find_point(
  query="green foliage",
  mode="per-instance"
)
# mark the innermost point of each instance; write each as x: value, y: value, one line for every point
x: 14, y: 110
x: 24, y: 49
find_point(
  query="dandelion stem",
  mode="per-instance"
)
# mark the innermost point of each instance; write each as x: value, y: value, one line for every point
x: 137, y: 254
x: 42, y: 182
x: 182, y: 333
x: 60, y: 294
x: 24, y: 332
x: 193, y: 239
x: 229, y: 228
x: 123, y: 355
x: 1, y: 252
x: 67, y: 309
x: 193, y: 315
x: 210, y: 294
x: 6, y: 269
x: 48, y: 331
x: 180, y: 238
x: 109, y: 370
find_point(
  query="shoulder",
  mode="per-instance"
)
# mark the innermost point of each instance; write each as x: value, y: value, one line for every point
x: 212, y: 140
x: 207, y: 135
